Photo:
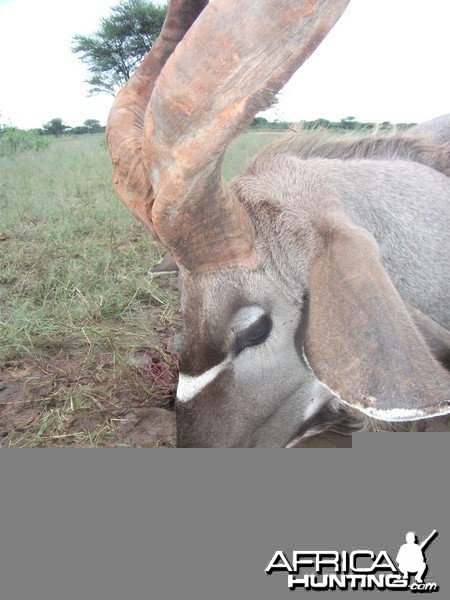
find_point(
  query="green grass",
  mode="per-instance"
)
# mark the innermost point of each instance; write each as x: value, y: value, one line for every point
x: 242, y: 149
x: 72, y: 257
x: 76, y: 301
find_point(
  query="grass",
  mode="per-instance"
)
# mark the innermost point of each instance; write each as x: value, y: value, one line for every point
x: 77, y: 306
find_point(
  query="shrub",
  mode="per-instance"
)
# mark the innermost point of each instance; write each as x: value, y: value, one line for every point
x: 14, y: 140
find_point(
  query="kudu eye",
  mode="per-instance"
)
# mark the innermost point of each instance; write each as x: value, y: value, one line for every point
x: 254, y: 335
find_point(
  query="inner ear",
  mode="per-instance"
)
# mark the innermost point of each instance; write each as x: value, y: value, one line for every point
x: 360, y: 340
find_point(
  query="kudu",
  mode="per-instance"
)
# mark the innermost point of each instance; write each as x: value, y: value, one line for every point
x: 311, y: 282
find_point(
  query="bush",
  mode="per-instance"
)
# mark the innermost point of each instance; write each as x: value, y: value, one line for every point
x: 262, y: 123
x: 14, y: 140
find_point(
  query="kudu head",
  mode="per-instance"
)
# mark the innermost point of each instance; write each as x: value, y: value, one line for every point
x: 263, y: 346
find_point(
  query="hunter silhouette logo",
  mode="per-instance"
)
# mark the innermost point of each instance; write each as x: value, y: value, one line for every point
x: 360, y: 569
x: 410, y: 557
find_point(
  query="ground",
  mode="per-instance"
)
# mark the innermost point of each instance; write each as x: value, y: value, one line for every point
x: 79, y: 397
x: 83, y: 328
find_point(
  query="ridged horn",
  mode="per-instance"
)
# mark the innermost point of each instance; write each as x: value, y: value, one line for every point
x: 199, y: 87
x: 124, y: 131
x: 229, y: 65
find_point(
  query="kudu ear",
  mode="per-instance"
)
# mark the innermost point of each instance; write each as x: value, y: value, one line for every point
x: 360, y: 340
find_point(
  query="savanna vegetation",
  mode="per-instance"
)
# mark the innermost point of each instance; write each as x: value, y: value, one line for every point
x: 84, y: 330
x: 121, y: 41
x: 345, y: 125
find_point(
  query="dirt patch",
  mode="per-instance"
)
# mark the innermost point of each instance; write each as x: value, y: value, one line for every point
x: 17, y: 413
x: 78, y: 400
x: 147, y: 428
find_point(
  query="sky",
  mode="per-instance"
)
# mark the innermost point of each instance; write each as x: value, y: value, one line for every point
x: 385, y: 60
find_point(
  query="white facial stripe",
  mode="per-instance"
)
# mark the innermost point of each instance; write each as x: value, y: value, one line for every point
x: 247, y: 316
x: 189, y: 387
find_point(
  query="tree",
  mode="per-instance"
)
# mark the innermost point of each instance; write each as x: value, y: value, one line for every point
x: 348, y: 122
x: 123, y: 39
x: 259, y: 122
x: 93, y: 126
x: 55, y: 127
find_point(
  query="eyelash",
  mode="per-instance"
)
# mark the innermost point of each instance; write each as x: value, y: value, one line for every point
x: 251, y: 336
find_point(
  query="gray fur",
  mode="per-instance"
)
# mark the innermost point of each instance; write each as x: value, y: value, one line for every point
x: 389, y: 199
x: 437, y: 129
x: 394, y: 187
